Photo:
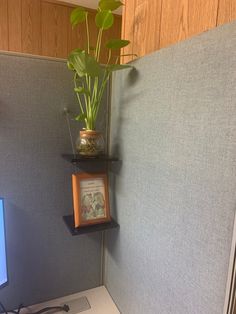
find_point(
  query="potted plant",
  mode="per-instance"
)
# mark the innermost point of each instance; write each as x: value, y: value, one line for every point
x: 91, y: 76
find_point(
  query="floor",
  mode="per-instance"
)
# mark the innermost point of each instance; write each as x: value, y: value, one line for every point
x: 99, y: 300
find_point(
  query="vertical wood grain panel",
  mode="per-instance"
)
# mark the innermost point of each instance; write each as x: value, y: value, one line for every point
x: 42, y: 26
x: 202, y: 16
x: 92, y: 29
x: 147, y: 17
x: 152, y: 25
x: 76, y: 36
x: 14, y: 25
x: 31, y: 26
x: 227, y: 11
x: 183, y: 18
x: 55, y: 19
x: 128, y: 28
x: 174, y: 21
x: 3, y: 25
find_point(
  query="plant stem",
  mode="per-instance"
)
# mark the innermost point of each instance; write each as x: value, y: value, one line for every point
x: 88, y: 102
x: 100, y: 44
x: 109, y: 57
x: 102, y: 88
x: 95, y: 89
x: 78, y: 97
x: 85, y: 100
x: 96, y: 48
x: 87, y: 31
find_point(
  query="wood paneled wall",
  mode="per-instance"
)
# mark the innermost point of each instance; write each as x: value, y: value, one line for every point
x: 42, y: 27
x: 154, y: 24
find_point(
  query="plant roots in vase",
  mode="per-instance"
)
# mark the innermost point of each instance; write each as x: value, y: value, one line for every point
x: 90, y: 143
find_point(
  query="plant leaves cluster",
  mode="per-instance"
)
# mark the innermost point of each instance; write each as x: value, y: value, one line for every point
x: 90, y: 76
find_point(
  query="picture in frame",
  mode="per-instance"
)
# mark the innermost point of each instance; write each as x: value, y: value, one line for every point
x: 90, y: 199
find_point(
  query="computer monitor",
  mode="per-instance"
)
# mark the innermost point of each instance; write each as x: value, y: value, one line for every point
x: 3, y: 258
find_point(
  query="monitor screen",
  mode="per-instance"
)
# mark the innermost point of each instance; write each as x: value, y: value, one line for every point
x: 3, y: 261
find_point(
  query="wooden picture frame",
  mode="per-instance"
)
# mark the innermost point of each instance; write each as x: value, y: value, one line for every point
x: 90, y: 198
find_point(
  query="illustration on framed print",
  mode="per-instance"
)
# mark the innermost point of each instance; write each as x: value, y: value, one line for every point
x: 90, y: 198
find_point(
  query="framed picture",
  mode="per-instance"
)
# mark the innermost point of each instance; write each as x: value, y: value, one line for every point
x: 90, y: 198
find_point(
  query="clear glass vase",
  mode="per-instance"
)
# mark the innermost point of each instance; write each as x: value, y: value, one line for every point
x: 90, y: 143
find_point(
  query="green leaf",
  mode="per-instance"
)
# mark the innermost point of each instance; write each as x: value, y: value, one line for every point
x: 81, y: 117
x: 117, y: 43
x: 117, y: 67
x: 70, y: 66
x: 77, y: 16
x: 104, y: 19
x: 84, y: 64
x: 109, y: 5
x: 81, y: 90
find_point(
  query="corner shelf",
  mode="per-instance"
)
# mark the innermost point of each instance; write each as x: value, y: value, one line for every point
x: 69, y: 221
x: 89, y: 164
x: 76, y: 159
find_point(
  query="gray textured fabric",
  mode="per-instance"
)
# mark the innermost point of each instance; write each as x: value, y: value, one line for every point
x: 45, y: 261
x: 174, y: 127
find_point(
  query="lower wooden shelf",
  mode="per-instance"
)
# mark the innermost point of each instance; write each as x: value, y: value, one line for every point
x: 69, y: 221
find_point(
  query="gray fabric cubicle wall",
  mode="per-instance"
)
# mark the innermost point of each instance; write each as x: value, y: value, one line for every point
x: 44, y: 260
x: 174, y: 127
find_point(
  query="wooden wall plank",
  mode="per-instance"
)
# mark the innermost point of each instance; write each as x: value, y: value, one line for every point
x: 42, y: 27
x: 55, y: 19
x: 148, y: 24
x: 127, y: 31
x: 92, y: 29
x: 174, y: 21
x: 227, y: 11
x: 31, y: 26
x: 3, y: 25
x: 147, y: 17
x: 14, y: 25
x: 76, y: 36
x: 183, y: 18
x: 202, y: 16
x: 152, y: 25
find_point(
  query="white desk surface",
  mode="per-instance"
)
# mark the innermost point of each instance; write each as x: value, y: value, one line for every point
x: 99, y: 299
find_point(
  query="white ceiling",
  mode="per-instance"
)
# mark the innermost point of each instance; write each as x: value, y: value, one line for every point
x: 88, y: 4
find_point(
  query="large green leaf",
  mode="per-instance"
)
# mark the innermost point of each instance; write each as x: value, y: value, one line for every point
x: 84, y: 64
x: 77, y: 16
x: 104, y: 19
x: 109, y: 4
x: 117, y: 43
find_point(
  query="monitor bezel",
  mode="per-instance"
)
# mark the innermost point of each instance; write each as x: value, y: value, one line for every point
x: 5, y: 239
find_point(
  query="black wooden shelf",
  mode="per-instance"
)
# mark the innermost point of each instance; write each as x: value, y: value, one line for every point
x: 69, y: 221
x: 75, y: 159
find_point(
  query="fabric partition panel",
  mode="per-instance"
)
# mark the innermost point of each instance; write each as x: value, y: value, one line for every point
x: 44, y: 260
x: 173, y: 125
